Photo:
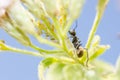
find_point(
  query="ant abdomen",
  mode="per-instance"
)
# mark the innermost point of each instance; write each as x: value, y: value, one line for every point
x: 80, y: 52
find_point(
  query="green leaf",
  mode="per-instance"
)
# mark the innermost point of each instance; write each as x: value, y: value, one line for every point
x: 95, y: 41
x: 73, y: 72
x: 97, y: 51
x: 55, y: 72
x: 43, y: 65
x: 62, y: 71
x: 103, y: 68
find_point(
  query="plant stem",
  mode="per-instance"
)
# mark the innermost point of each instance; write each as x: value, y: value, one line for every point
x: 91, y: 34
x: 93, y: 30
x: 68, y: 26
x: 100, y: 10
x: 47, y: 23
x: 45, y: 41
x: 46, y: 51
x: 25, y: 52
x: 61, y: 35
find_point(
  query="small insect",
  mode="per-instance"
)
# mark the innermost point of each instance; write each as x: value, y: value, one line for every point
x: 77, y: 44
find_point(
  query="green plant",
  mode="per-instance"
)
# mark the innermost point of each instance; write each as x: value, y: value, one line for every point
x: 49, y: 22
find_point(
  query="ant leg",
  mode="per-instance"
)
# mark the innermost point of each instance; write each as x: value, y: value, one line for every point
x: 87, y: 57
x: 77, y: 46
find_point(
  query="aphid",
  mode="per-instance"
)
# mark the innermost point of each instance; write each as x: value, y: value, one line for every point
x: 77, y: 44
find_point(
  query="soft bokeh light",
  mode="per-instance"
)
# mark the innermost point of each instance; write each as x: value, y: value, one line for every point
x: 5, y: 3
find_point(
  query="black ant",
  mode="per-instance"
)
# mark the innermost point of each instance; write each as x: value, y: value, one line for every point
x: 77, y: 44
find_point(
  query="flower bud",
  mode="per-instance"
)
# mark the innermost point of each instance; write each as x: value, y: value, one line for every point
x: 3, y: 46
x: 35, y: 7
x: 102, y: 5
x: 22, y: 17
x: 3, y: 5
x: 13, y: 29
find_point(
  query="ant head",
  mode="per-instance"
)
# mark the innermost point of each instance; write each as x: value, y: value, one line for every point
x: 72, y: 32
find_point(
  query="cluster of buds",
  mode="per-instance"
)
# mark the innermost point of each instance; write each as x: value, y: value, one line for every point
x: 49, y: 21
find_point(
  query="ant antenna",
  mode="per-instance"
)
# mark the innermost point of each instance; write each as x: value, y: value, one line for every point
x: 75, y: 25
